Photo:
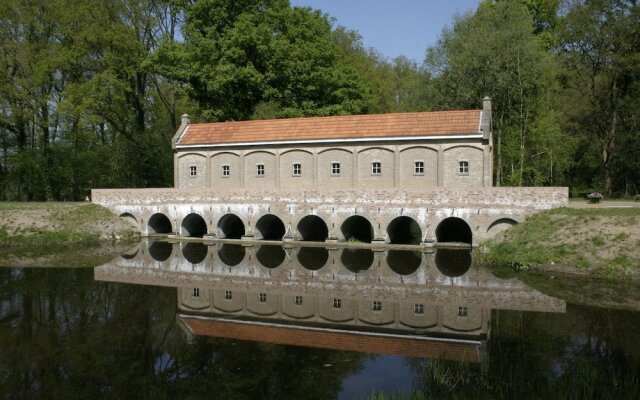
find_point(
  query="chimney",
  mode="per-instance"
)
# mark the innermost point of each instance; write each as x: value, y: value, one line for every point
x: 486, y: 125
x: 186, y: 120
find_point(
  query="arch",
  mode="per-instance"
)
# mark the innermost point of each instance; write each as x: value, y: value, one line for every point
x: 375, y: 148
x: 194, y: 252
x: 231, y: 254
x: 333, y: 149
x: 357, y: 260
x: 159, y: 223
x: 454, y: 229
x: 404, y: 262
x: 230, y: 226
x: 357, y: 228
x: 404, y: 230
x: 259, y: 151
x: 292, y: 150
x: 453, y: 262
x: 193, y: 225
x: 418, y: 147
x: 129, y: 255
x: 270, y: 227
x: 461, y: 145
x: 313, y: 258
x: 191, y: 154
x: 500, y: 225
x: 270, y: 256
x: 160, y: 251
x: 313, y: 229
x: 130, y: 218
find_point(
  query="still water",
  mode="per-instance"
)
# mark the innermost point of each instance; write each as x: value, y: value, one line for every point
x: 170, y: 320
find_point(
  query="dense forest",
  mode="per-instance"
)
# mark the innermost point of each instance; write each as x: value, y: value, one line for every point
x: 92, y: 92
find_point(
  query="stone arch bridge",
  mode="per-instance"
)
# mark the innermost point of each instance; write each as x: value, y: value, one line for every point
x: 382, y: 216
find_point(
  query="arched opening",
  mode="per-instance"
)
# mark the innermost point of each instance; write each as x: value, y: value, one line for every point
x: 453, y: 262
x: 195, y: 253
x: 404, y: 230
x: 270, y: 256
x: 270, y: 227
x: 358, y: 229
x: 193, y: 225
x: 230, y: 226
x: 231, y: 254
x: 128, y: 217
x: 313, y: 258
x: 453, y: 229
x: 160, y: 251
x: 159, y: 224
x: 130, y: 255
x: 404, y: 262
x: 500, y: 226
x: 313, y: 229
x: 357, y: 260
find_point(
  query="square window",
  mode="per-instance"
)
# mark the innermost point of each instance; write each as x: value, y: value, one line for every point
x: 376, y: 168
x: 463, y: 167
x: 297, y: 169
x: 193, y: 171
x: 419, y: 168
x: 225, y: 170
x: 335, y: 168
x: 228, y: 295
x: 299, y: 300
x: 377, y: 305
x: 263, y: 297
x: 462, y: 311
x: 337, y: 303
x: 418, y: 308
x: 196, y: 292
x: 260, y: 169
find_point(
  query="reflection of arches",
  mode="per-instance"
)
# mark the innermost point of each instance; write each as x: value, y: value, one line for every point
x: 230, y: 226
x: 500, y: 225
x: 270, y: 256
x: 160, y: 251
x: 357, y: 260
x: 313, y: 228
x: 130, y: 218
x: 404, y: 230
x: 270, y: 227
x: 357, y: 228
x: 129, y: 255
x: 231, y: 254
x: 159, y: 223
x: 195, y: 253
x: 313, y: 258
x: 193, y: 225
x: 453, y: 229
x: 453, y: 262
x: 404, y: 262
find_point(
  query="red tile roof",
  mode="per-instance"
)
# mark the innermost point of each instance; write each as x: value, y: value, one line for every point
x: 335, y: 340
x: 438, y: 123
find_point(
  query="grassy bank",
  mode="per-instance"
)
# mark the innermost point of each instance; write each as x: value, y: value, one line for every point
x: 31, y: 226
x: 595, y: 242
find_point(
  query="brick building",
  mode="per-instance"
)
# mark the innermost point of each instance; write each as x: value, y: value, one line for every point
x: 450, y: 149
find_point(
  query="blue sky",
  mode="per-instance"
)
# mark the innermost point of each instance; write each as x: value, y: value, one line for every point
x: 394, y: 27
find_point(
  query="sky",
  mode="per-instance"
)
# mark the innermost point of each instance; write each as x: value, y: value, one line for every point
x: 394, y: 27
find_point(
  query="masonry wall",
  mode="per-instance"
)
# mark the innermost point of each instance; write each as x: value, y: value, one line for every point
x: 317, y: 166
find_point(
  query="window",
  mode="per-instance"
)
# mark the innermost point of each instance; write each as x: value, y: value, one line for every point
x: 418, y: 168
x: 418, y: 308
x: 228, y: 295
x: 263, y: 297
x: 377, y: 305
x: 463, y: 167
x: 297, y: 169
x: 260, y: 169
x: 196, y: 292
x: 337, y: 303
x: 299, y: 300
x: 225, y: 170
x: 335, y: 168
x: 193, y: 171
x: 462, y: 311
x: 376, y: 168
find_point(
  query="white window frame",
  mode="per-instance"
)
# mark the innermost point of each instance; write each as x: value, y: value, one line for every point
x: 193, y: 171
x: 463, y: 167
x: 335, y: 168
x: 337, y: 303
x: 418, y: 167
x: 377, y: 305
x: 226, y: 171
x: 262, y: 297
x: 298, y: 300
x: 293, y: 169
x: 228, y: 295
x: 260, y: 170
x: 196, y: 292
x: 418, y: 308
x: 376, y: 168
x: 462, y: 311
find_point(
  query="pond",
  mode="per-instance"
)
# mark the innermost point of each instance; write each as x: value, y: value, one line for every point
x: 187, y: 320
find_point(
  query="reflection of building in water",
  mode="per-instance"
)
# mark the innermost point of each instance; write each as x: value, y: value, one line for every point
x: 408, y: 303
